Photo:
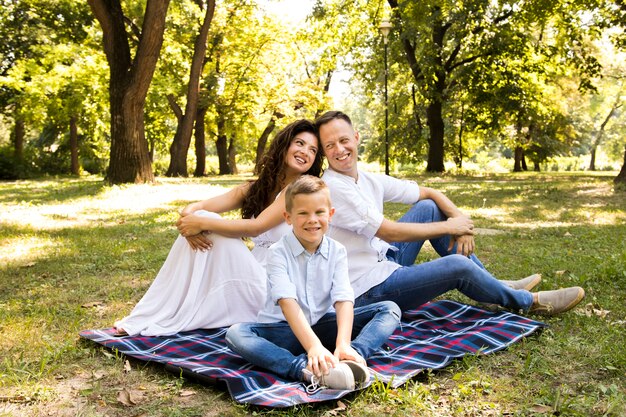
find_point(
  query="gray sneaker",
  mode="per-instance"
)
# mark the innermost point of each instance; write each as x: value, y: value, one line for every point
x: 361, y: 372
x: 527, y: 283
x: 554, y: 302
x: 340, y: 377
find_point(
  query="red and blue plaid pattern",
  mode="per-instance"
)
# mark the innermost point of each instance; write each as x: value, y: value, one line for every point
x: 428, y: 338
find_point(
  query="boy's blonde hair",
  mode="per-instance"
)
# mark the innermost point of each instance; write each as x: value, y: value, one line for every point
x: 305, y: 184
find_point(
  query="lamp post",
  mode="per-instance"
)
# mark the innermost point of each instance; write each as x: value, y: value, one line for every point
x: 384, y: 28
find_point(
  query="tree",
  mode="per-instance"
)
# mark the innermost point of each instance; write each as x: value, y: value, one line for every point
x: 621, y: 177
x: 182, y: 138
x: 128, y: 85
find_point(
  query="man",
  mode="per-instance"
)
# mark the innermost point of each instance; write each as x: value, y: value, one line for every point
x: 381, y: 252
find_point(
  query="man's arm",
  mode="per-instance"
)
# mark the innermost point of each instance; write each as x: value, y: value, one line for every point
x: 465, y: 243
x: 458, y: 225
x: 391, y: 231
x: 320, y: 358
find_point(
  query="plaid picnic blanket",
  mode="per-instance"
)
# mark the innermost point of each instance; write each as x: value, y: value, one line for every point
x: 428, y: 338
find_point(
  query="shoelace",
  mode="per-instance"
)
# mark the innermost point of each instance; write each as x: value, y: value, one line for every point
x: 314, y: 386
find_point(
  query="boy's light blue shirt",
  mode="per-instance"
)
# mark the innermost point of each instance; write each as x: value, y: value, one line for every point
x: 316, y: 281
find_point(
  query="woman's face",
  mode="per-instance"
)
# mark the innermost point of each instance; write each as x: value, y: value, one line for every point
x: 301, y: 153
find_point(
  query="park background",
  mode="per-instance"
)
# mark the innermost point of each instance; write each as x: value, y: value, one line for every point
x: 115, y: 115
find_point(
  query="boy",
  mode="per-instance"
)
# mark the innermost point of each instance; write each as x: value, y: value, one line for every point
x: 307, y: 276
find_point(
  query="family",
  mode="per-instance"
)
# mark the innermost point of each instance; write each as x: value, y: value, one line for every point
x: 329, y: 275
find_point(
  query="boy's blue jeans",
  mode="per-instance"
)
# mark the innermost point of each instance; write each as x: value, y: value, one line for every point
x: 274, y: 346
x: 415, y: 284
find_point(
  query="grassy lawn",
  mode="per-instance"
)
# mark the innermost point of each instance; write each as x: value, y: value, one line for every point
x: 78, y: 254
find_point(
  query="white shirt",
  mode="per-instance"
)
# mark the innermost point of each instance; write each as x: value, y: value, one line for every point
x: 316, y: 281
x: 358, y: 216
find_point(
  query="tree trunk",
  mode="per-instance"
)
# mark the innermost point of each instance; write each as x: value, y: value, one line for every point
x: 221, y: 145
x: 621, y: 177
x: 182, y: 138
x: 536, y: 167
x: 262, y: 142
x: 592, y: 161
x: 128, y: 85
x: 462, y: 125
x: 598, y: 139
x: 200, y: 142
x: 232, y: 156
x: 519, y: 156
x: 18, y: 139
x: 74, y: 165
x: 434, y: 120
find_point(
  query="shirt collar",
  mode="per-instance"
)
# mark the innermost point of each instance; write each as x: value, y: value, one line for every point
x: 340, y: 175
x: 297, y: 249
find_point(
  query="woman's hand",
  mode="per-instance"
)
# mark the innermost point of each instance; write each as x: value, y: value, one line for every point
x: 189, y: 225
x: 200, y: 242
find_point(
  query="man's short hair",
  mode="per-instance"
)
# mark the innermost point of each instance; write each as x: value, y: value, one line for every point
x: 329, y: 116
x: 305, y: 184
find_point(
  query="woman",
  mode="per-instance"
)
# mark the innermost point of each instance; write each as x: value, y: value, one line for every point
x: 210, y: 279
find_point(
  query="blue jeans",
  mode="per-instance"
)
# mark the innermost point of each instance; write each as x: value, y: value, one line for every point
x: 415, y: 284
x: 274, y: 346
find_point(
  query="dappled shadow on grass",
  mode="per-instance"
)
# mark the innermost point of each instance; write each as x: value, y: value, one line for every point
x: 46, y: 191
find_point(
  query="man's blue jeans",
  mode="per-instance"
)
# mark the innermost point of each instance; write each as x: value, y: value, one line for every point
x: 274, y: 346
x: 415, y: 284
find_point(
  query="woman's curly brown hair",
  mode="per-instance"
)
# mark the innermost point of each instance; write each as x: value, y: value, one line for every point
x: 272, y: 169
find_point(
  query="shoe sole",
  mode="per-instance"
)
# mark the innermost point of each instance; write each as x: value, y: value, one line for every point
x: 532, y: 284
x: 581, y: 295
x: 360, y: 372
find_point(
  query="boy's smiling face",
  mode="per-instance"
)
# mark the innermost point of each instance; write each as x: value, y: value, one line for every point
x: 310, y: 216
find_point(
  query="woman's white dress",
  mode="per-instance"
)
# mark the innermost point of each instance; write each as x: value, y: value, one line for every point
x: 205, y: 290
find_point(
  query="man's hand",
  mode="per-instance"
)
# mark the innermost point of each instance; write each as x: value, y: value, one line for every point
x: 465, y: 244
x: 320, y: 360
x: 460, y: 225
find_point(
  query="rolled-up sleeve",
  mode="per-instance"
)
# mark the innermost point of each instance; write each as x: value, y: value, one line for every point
x: 279, y: 282
x: 341, y: 289
x: 354, y: 212
x: 399, y: 191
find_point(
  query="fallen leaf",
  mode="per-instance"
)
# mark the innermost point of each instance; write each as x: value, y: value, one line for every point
x: 559, y: 273
x: 129, y: 397
x: 92, y: 304
x: 97, y: 375
x: 591, y: 310
x: 127, y: 367
x: 107, y: 354
x: 340, y: 407
x: 187, y: 393
x: 28, y: 265
x: 567, y: 234
x: 542, y: 409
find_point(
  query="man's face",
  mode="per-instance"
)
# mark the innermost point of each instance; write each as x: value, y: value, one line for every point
x: 340, y: 142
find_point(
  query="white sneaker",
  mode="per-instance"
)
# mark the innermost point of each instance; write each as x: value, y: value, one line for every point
x: 360, y: 372
x: 340, y: 377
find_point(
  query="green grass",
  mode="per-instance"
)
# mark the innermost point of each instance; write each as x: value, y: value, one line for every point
x: 78, y: 254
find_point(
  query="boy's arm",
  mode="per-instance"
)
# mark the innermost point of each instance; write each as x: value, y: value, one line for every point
x: 345, y: 318
x: 320, y: 358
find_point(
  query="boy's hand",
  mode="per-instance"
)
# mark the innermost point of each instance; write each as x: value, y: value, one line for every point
x: 347, y: 352
x: 320, y: 360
